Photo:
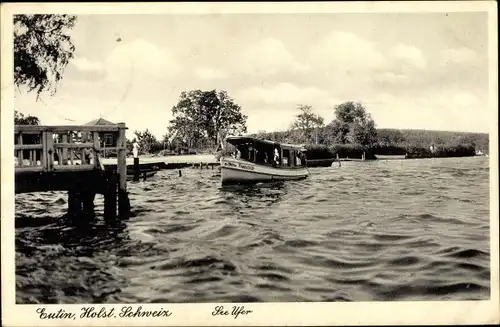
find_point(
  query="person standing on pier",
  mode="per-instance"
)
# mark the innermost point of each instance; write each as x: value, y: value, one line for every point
x: 135, y: 152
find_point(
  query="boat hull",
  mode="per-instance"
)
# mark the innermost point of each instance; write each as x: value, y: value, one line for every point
x: 234, y: 171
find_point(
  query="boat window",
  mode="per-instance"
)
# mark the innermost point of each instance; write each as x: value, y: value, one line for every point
x: 251, y: 153
x: 286, y: 157
x: 298, y: 159
x: 263, y: 154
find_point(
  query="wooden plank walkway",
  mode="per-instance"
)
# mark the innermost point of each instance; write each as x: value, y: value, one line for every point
x: 68, y: 158
x: 166, y: 162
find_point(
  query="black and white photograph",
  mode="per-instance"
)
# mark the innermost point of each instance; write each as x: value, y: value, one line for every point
x: 243, y: 158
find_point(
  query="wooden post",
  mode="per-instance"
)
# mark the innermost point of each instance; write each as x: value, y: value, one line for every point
x: 64, y: 159
x: 123, y: 200
x: 43, y: 154
x: 74, y: 204
x: 71, y: 150
x: 110, y: 197
x: 87, y: 199
x: 122, y: 157
x: 95, y: 153
x: 136, y: 169
x: 20, y: 153
x: 49, y: 150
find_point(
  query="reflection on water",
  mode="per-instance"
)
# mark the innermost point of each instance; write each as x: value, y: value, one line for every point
x: 371, y: 231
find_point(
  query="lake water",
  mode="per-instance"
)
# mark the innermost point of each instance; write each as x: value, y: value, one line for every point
x: 366, y: 231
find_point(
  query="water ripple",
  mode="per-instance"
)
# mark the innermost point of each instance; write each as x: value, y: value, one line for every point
x: 370, y: 231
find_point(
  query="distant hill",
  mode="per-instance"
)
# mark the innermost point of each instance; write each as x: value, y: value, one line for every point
x: 424, y: 138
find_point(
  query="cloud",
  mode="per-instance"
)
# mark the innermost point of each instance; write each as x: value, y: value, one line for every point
x: 461, y: 55
x: 408, y: 55
x: 87, y: 66
x: 465, y: 99
x: 391, y: 78
x: 284, y: 93
x: 347, y: 52
x: 140, y: 59
x: 211, y: 74
x: 267, y: 57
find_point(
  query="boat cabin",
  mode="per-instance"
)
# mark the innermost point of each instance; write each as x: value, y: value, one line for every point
x: 264, y: 152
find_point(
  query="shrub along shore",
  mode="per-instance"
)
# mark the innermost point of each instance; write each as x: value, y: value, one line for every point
x: 354, y: 151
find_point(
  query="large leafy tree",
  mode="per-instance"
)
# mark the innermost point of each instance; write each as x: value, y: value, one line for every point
x: 206, y: 116
x: 353, y: 125
x: 308, y: 123
x: 336, y: 132
x: 145, y: 140
x: 42, y: 50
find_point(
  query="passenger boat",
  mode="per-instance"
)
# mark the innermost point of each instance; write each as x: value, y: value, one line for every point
x: 258, y: 160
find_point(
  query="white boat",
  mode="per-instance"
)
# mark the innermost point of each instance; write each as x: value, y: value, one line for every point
x: 262, y: 161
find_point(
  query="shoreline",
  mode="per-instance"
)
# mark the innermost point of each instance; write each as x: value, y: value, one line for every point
x: 191, y: 159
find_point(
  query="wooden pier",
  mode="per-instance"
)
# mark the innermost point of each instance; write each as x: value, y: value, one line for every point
x: 68, y: 158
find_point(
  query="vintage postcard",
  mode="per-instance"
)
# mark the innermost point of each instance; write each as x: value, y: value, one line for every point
x: 249, y: 164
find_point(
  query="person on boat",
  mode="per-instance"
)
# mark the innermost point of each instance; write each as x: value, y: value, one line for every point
x: 266, y: 158
x: 276, y: 156
x: 238, y: 153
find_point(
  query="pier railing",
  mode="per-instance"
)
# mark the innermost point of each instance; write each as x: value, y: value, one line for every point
x: 67, y: 148
x: 58, y: 158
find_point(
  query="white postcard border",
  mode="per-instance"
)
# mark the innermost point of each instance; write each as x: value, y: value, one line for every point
x: 357, y: 313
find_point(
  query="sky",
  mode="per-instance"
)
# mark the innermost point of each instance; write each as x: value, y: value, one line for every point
x: 409, y: 70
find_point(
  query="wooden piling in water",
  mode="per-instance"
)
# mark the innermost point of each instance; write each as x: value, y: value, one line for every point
x: 110, y: 197
x: 123, y: 200
x: 87, y: 199
x: 136, y: 170
x: 74, y: 204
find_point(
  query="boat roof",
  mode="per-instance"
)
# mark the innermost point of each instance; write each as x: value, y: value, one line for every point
x: 238, y: 140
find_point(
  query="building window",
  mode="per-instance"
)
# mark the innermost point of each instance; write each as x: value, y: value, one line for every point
x: 108, y: 140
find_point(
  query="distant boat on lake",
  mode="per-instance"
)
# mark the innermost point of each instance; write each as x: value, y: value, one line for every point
x: 258, y: 160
